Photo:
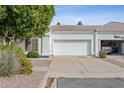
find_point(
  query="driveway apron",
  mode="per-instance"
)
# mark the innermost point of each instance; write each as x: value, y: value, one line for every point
x: 83, y: 67
x: 65, y: 66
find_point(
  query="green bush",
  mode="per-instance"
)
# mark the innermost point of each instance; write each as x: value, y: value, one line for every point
x: 33, y: 54
x: 102, y: 54
x: 9, y: 63
x: 26, y: 67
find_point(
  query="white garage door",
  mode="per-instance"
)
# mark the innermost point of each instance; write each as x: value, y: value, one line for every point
x: 71, y: 47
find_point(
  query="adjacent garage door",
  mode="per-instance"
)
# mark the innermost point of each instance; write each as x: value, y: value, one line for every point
x: 71, y: 47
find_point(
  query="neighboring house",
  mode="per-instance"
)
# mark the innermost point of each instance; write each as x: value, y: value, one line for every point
x: 79, y: 40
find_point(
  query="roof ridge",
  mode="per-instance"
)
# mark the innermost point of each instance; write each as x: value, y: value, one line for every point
x: 111, y: 26
x: 76, y: 25
x: 114, y: 22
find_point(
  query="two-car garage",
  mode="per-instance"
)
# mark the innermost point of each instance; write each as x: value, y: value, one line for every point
x: 72, y: 40
x: 72, y: 47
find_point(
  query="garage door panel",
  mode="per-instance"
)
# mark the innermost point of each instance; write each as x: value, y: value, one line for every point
x: 71, y: 47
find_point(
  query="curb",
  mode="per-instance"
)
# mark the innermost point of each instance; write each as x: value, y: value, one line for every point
x: 43, y: 81
x: 40, y: 58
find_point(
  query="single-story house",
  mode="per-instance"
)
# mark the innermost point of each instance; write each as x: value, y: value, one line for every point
x: 81, y: 40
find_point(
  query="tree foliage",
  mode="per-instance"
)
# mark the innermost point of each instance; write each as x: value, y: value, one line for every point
x: 79, y: 23
x: 17, y: 21
x: 58, y: 23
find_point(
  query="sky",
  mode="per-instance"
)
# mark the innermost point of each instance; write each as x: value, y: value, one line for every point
x: 88, y: 14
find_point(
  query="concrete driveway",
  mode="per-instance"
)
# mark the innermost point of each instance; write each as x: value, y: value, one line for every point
x: 119, y: 58
x: 83, y: 67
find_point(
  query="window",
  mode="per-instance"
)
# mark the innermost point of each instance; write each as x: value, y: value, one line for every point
x: 34, y: 45
x: 31, y: 44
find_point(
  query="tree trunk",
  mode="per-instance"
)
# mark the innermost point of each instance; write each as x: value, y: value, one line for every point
x: 9, y: 40
x: 6, y: 40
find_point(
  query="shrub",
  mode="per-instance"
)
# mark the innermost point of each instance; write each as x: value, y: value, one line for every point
x: 26, y: 67
x: 102, y: 54
x: 9, y: 63
x: 33, y: 54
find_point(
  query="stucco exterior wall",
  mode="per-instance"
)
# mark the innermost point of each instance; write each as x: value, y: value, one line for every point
x: 45, y: 44
x: 107, y: 35
x: 22, y: 45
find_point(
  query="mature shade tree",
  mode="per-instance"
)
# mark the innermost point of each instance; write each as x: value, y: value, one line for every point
x: 19, y: 21
x: 58, y: 23
x: 79, y: 23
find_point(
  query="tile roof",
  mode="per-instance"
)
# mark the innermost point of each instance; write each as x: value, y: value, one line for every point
x: 111, y: 26
x: 74, y: 27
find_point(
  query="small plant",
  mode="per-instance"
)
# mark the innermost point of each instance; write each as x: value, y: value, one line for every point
x: 33, y: 54
x: 102, y: 54
x: 9, y: 63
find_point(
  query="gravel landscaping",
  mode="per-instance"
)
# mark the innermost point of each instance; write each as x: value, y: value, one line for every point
x: 23, y: 81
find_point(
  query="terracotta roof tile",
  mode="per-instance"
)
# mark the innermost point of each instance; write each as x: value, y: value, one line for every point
x: 73, y: 27
x: 111, y: 26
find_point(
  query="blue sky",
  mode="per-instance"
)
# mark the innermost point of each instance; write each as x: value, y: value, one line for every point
x: 88, y: 14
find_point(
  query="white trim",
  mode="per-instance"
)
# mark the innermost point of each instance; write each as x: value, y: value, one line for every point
x: 96, y: 44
